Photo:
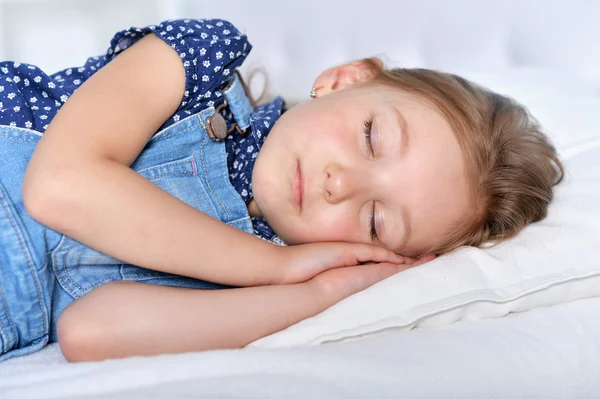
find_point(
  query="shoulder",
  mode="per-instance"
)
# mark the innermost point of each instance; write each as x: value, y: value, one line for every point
x: 210, y: 49
x: 213, y: 29
x: 186, y: 35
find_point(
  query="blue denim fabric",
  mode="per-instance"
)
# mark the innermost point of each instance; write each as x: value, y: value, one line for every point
x: 42, y: 271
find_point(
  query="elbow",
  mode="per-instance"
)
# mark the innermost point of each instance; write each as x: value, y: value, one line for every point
x: 37, y: 203
x: 43, y: 197
x: 90, y: 329
x: 72, y: 340
x: 79, y: 337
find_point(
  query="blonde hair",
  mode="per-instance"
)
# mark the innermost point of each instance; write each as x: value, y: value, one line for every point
x: 511, y: 163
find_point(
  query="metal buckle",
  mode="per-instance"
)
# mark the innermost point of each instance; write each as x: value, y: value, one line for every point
x: 216, y: 128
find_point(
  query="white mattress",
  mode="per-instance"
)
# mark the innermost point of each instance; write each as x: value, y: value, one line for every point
x: 545, y: 353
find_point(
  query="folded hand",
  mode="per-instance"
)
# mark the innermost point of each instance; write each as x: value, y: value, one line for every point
x: 302, y: 262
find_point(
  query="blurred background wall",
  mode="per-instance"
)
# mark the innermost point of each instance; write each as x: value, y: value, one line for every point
x: 295, y: 40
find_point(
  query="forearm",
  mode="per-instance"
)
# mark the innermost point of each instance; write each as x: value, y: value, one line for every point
x: 128, y: 319
x: 112, y: 209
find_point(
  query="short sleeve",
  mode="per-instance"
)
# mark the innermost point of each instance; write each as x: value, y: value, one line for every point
x: 210, y: 50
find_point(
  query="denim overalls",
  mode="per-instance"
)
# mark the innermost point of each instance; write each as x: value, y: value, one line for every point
x: 42, y: 271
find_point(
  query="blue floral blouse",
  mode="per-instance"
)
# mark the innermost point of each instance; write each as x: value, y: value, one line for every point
x: 210, y: 50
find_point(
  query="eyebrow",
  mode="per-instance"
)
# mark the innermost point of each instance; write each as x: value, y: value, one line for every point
x: 406, y: 230
x: 403, y: 131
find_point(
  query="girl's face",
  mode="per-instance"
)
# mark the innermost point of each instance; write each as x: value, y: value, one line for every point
x: 319, y: 177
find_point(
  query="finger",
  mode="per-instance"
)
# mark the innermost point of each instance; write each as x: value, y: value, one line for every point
x: 409, y: 261
x: 373, y: 253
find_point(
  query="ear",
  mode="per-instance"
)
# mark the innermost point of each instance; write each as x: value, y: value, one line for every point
x: 420, y: 260
x: 347, y: 75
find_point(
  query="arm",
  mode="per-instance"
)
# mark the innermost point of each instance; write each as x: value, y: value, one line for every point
x: 79, y: 182
x: 123, y: 319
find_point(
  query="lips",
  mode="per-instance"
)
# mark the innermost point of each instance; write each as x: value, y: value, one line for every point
x: 298, y: 186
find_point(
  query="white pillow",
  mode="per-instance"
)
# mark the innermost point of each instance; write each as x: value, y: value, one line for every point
x: 550, y: 262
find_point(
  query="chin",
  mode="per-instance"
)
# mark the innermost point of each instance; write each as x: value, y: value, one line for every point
x: 290, y: 236
x: 278, y: 227
x: 281, y: 227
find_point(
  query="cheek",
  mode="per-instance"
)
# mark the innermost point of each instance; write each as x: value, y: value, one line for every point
x: 336, y: 133
x: 325, y: 127
x: 316, y: 133
x: 329, y: 228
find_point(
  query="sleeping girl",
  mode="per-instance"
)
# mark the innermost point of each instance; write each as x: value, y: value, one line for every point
x: 149, y: 206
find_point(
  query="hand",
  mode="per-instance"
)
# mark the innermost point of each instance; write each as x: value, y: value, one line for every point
x: 339, y: 283
x: 302, y: 262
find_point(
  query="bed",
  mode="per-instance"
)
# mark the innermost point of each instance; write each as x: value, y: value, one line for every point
x: 516, y: 321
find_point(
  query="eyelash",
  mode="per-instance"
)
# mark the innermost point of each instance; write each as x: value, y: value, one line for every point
x: 367, y: 130
x: 372, y: 223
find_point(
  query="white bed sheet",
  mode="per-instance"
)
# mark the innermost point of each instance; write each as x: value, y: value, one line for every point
x: 547, y: 353
x: 544, y: 353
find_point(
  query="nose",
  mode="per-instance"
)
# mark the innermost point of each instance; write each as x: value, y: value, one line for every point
x: 342, y: 183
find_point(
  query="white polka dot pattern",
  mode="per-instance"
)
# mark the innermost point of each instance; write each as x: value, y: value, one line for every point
x: 209, y: 49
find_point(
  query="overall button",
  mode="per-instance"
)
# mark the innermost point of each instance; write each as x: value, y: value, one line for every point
x: 216, y: 128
